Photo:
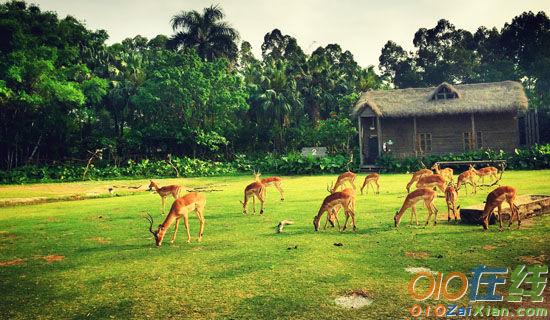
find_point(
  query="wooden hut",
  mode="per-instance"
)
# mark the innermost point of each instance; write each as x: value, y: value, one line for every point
x: 443, y: 119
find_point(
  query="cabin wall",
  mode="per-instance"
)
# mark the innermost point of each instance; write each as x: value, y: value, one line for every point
x: 498, y: 131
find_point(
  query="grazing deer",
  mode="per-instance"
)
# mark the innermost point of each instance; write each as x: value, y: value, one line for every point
x: 431, y: 181
x: 271, y: 181
x: 336, y: 200
x: 254, y: 190
x: 425, y: 194
x: 371, y: 179
x: 165, y: 191
x: 193, y: 201
x: 447, y: 172
x: 332, y: 215
x: 417, y: 175
x: 495, y: 199
x: 465, y: 178
x: 491, y: 172
x: 451, y: 198
x: 343, y: 178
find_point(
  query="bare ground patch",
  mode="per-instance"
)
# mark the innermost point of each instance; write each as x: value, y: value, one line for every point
x: 533, y: 259
x: 489, y: 247
x: 100, y: 240
x: 354, y: 300
x: 13, y: 262
x: 417, y: 254
x: 53, y: 258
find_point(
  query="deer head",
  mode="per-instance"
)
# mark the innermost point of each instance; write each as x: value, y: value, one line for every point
x: 159, y: 233
x: 151, y: 185
x: 257, y: 175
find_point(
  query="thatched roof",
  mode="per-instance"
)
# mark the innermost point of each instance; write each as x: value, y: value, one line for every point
x: 502, y: 96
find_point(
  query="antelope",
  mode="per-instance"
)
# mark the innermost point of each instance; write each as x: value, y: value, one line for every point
x: 271, y: 181
x: 417, y: 175
x: 451, y: 198
x: 165, y: 191
x: 425, y: 194
x: 333, y: 201
x: 495, y: 199
x: 254, y: 190
x: 466, y: 177
x: 433, y: 180
x: 447, y: 172
x: 483, y: 172
x: 332, y: 215
x: 343, y: 178
x: 371, y: 179
x: 193, y: 201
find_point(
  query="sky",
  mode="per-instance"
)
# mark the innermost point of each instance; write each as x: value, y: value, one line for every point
x: 362, y: 27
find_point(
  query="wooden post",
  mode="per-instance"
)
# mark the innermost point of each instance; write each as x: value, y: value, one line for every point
x: 361, y: 150
x: 414, y: 137
x: 474, y: 136
x: 379, y: 133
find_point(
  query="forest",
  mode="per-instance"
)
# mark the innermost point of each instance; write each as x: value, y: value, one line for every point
x: 65, y: 94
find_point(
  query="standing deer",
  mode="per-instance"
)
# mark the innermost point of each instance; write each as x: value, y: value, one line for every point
x: 431, y: 181
x: 193, y: 201
x: 271, y: 181
x: 343, y: 178
x: 254, y: 190
x: 490, y: 172
x: 465, y: 178
x: 333, y: 201
x: 332, y: 215
x: 494, y: 200
x: 165, y: 191
x: 371, y: 179
x: 417, y: 175
x: 447, y: 172
x: 425, y: 194
x: 451, y: 198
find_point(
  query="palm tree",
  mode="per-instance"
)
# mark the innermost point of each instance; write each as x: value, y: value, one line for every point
x: 206, y: 33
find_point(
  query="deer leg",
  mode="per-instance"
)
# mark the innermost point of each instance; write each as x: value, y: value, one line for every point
x: 162, y: 200
x: 449, y: 212
x: 353, y: 219
x: 413, y: 214
x: 200, y: 215
x: 377, y: 187
x: 175, y: 230
x: 435, y: 212
x: 345, y: 222
x: 429, y: 207
x: 261, y: 197
x: 254, y: 204
x: 499, y: 210
x: 363, y: 186
x: 186, y: 221
x: 278, y: 186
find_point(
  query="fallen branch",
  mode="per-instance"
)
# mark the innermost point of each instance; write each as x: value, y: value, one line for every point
x: 169, y: 161
x: 282, y: 224
x: 96, y: 154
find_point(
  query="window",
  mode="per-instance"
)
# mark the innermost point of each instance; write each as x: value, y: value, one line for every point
x: 444, y: 93
x: 469, y: 143
x: 423, y: 142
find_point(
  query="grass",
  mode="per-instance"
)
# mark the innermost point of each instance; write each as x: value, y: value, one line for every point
x: 242, y: 269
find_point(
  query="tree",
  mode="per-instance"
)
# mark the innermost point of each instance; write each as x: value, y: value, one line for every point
x: 206, y: 33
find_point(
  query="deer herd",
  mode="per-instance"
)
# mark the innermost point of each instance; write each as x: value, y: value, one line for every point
x: 342, y: 196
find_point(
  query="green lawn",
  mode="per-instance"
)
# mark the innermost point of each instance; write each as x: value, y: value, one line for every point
x: 242, y: 269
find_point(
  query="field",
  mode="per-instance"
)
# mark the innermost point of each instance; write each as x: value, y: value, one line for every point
x: 95, y: 259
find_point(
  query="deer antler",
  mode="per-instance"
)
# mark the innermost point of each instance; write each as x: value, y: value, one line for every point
x: 329, y: 187
x: 150, y: 220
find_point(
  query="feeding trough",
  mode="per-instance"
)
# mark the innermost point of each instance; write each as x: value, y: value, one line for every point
x: 529, y: 205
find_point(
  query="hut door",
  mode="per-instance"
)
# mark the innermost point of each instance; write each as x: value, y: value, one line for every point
x: 372, y: 149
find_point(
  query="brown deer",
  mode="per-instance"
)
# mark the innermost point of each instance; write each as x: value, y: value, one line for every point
x: 332, y: 215
x: 343, y: 178
x: 271, y: 181
x: 371, y: 179
x: 451, y: 198
x: 495, y: 199
x: 165, y: 191
x: 447, y: 172
x: 333, y: 201
x: 425, y: 194
x: 193, y: 201
x: 465, y: 178
x: 431, y: 181
x: 490, y: 172
x: 417, y: 175
x: 254, y: 190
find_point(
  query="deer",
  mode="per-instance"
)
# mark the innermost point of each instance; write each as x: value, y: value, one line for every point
x: 332, y: 215
x: 165, y: 191
x: 417, y: 175
x: 254, y: 190
x: 431, y: 181
x: 494, y: 200
x: 371, y: 179
x: 451, y: 198
x: 193, y: 201
x: 491, y: 172
x: 465, y: 178
x: 425, y: 194
x: 343, y: 178
x: 271, y: 181
x: 447, y: 172
x: 331, y: 203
